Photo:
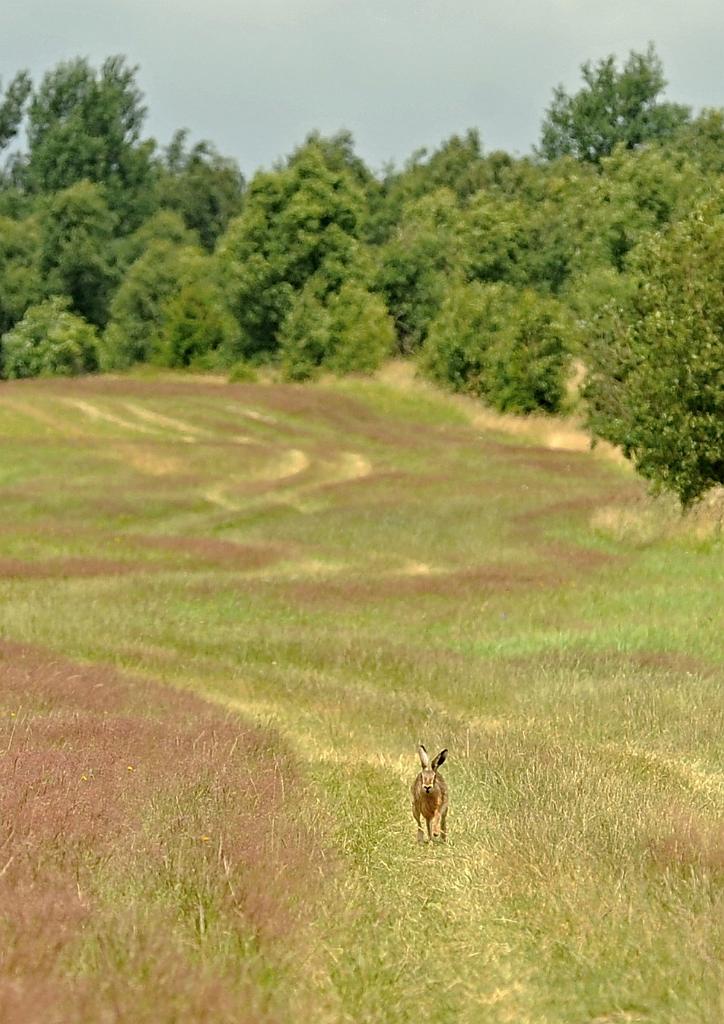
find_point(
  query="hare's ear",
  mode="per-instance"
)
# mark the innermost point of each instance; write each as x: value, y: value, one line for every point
x: 424, y: 757
x: 439, y: 759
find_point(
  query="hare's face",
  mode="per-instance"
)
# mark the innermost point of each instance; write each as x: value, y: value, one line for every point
x: 429, y: 768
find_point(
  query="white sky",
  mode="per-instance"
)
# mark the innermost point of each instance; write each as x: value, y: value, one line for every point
x: 255, y: 77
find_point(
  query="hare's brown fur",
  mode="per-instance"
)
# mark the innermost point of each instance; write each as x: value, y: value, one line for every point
x: 430, y: 798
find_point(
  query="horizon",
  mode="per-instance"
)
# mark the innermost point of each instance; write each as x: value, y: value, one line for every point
x: 262, y: 80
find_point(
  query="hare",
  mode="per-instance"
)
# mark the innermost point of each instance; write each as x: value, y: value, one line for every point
x: 429, y: 797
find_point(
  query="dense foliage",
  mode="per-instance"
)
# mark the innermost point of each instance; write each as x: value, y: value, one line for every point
x: 300, y: 222
x: 138, y: 310
x: 198, y: 330
x: 492, y: 271
x: 50, y: 341
x: 509, y: 346
x: 656, y: 386
x: 348, y: 331
x: 613, y: 107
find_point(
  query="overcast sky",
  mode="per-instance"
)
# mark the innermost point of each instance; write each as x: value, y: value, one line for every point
x: 255, y: 77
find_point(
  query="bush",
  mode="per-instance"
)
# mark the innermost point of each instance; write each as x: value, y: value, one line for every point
x: 528, y: 364
x: 50, y: 341
x: 349, y: 332
x: 198, y: 330
x: 455, y: 353
x: 362, y: 331
x: 305, y: 337
x: 509, y: 347
x: 242, y: 372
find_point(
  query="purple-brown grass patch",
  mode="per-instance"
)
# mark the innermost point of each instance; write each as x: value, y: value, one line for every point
x: 103, y: 776
x: 688, y: 843
x: 464, y: 583
x: 223, y: 554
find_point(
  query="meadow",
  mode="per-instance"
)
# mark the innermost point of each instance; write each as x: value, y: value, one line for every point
x: 229, y: 613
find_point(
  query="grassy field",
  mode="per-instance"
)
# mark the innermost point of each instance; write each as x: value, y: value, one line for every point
x: 340, y: 571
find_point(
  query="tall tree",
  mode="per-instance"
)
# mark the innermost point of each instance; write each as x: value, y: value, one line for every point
x: 12, y: 107
x: 21, y: 284
x: 458, y: 164
x: 76, y: 251
x: 415, y: 266
x: 139, y: 307
x: 86, y: 125
x: 299, y: 222
x: 613, y: 107
x: 338, y: 153
x: 202, y: 186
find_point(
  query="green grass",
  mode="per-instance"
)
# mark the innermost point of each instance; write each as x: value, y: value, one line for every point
x: 530, y: 609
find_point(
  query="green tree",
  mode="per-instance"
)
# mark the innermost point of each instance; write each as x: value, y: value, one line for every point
x: 507, y: 346
x: 198, y: 330
x: 76, y: 255
x: 640, y: 192
x: 49, y: 341
x: 338, y: 155
x: 426, y: 250
x: 702, y: 141
x: 634, y: 194
x: 337, y: 152
x: 656, y: 362
x: 12, y: 107
x: 350, y: 332
x: 456, y: 351
x: 139, y: 307
x: 532, y: 231
x: 498, y: 239
x: 204, y: 188
x: 298, y: 222
x: 613, y: 107
x: 305, y: 337
x: 529, y: 361
x: 457, y: 164
x: 20, y: 280
x: 363, y: 333
x: 86, y: 125
x: 162, y: 226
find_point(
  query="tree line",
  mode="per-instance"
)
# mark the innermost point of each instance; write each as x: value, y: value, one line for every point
x: 493, y: 272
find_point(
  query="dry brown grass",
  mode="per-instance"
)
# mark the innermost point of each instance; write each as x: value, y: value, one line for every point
x: 565, y: 434
x: 642, y: 521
